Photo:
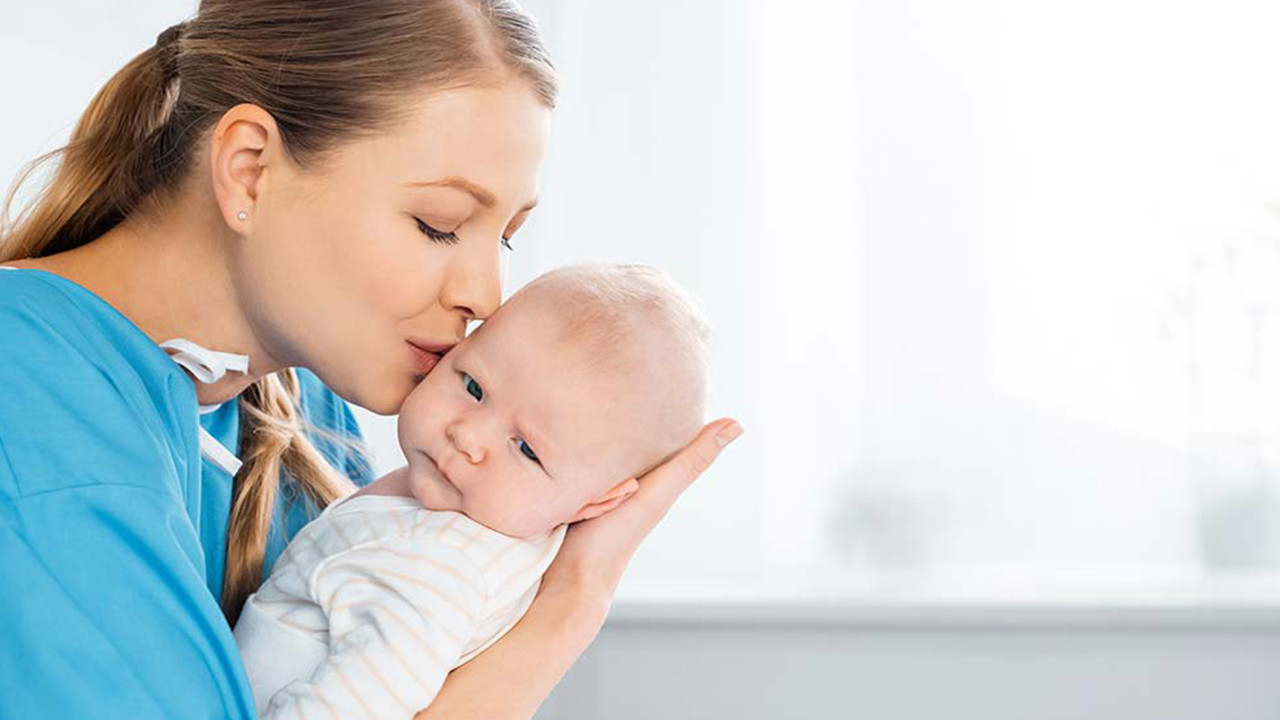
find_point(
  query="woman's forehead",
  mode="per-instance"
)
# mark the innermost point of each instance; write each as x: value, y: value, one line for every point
x: 488, y: 142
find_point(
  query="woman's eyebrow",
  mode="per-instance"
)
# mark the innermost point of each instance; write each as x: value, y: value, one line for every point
x: 482, y: 195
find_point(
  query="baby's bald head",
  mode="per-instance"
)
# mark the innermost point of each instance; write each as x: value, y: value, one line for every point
x: 635, y: 328
x: 547, y: 413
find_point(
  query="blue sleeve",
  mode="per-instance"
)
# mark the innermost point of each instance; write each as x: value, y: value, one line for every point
x: 105, y: 615
x: 104, y: 609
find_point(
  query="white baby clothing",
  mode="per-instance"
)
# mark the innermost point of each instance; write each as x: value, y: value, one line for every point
x: 375, y: 601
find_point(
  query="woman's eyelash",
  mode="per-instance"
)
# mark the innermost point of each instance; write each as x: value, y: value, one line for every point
x: 444, y: 238
x: 449, y: 238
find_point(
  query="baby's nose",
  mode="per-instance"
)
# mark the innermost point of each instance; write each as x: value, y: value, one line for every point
x: 465, y: 440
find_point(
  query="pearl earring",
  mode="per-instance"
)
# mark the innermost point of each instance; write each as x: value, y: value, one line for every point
x: 242, y: 216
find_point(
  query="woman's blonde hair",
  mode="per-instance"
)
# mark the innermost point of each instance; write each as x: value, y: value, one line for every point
x: 327, y: 71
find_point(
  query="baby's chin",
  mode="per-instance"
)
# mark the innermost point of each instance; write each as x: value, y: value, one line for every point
x: 430, y: 487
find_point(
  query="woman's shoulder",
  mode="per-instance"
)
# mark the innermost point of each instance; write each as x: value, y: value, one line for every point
x: 22, y: 285
x: 52, y: 324
x: 86, y: 393
x: 27, y: 294
x: 38, y: 305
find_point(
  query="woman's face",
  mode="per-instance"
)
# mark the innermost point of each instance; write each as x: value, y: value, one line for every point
x: 398, y: 239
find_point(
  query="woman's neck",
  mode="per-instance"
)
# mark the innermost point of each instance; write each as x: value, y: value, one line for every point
x: 172, y: 279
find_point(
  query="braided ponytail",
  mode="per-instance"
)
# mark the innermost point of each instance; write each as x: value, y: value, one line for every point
x: 272, y: 439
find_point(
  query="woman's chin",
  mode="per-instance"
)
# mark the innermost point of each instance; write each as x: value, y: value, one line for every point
x: 382, y: 398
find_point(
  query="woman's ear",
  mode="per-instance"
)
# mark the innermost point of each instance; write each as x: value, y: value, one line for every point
x: 612, y: 498
x: 241, y: 146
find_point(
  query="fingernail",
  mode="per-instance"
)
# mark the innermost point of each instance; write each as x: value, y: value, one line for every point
x: 729, y: 434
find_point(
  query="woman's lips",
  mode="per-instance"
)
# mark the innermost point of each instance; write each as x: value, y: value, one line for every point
x: 423, y: 359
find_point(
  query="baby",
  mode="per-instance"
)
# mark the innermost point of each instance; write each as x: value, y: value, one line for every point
x: 545, y: 415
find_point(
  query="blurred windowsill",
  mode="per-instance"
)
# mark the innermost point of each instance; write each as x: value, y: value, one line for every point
x: 945, y: 615
x: 1249, y: 604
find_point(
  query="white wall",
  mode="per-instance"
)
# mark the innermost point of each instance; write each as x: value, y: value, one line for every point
x: 53, y: 58
x: 995, y: 281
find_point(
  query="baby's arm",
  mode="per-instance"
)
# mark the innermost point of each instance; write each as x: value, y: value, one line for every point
x: 400, y: 614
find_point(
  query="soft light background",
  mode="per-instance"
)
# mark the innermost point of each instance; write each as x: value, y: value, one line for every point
x: 995, y: 283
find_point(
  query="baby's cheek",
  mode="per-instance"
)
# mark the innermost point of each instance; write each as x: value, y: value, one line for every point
x: 414, y: 426
x: 510, y: 513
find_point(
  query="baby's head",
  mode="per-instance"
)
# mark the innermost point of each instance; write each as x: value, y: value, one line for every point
x: 584, y: 379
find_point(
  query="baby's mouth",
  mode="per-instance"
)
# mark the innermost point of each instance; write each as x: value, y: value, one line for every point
x: 434, y: 469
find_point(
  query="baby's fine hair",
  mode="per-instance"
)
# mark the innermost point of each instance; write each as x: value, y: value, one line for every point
x: 637, y: 320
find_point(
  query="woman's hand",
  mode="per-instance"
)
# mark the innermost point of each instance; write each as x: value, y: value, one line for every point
x: 596, y: 551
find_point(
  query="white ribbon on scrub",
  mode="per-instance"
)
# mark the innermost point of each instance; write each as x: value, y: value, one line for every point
x: 209, y: 366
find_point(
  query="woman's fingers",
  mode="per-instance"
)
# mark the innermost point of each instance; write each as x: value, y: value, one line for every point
x: 698, y: 456
x: 660, y: 487
x: 595, y: 552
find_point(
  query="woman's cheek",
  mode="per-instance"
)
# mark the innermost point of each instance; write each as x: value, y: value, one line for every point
x: 403, y: 273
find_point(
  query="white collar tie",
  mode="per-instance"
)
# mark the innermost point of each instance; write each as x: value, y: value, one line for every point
x: 209, y: 366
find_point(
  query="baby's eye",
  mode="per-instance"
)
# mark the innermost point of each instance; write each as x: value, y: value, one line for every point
x: 472, y: 386
x: 528, y: 452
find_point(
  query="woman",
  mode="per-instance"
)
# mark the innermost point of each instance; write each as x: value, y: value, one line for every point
x: 313, y: 184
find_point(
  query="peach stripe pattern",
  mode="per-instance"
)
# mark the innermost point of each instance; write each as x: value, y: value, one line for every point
x: 374, y: 602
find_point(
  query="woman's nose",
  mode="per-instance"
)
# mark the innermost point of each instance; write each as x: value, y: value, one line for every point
x: 474, y: 285
x: 465, y: 440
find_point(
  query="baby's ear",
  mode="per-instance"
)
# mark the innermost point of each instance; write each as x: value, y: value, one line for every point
x: 614, y: 497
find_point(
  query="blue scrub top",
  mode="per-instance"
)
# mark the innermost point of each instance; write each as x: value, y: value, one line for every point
x: 112, y: 527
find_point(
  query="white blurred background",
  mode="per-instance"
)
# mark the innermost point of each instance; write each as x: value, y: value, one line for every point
x: 996, y: 283
x: 995, y: 287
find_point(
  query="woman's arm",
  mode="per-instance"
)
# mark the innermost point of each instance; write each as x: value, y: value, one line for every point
x: 510, y: 680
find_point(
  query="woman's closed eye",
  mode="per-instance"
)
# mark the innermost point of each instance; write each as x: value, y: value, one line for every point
x: 450, y: 238
x: 440, y: 236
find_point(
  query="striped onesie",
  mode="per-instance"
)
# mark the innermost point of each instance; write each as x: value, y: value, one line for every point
x: 375, y: 601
